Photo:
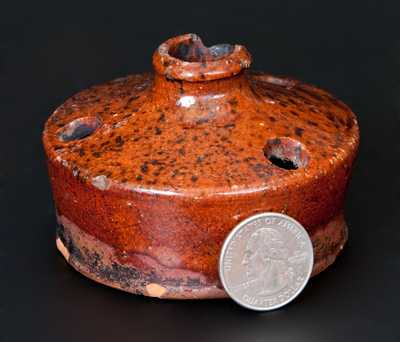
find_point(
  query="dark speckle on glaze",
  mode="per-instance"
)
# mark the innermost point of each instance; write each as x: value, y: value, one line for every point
x: 144, y: 168
x: 299, y: 131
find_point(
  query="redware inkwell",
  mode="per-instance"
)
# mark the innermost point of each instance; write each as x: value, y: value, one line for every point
x: 151, y: 172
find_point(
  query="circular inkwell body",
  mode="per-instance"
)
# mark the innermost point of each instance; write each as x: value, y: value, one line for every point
x: 151, y: 172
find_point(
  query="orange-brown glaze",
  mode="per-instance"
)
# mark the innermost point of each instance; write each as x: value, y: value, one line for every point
x: 165, y: 165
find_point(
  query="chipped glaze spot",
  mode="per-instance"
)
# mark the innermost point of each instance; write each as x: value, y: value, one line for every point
x: 101, y: 182
x: 155, y: 290
x: 62, y: 249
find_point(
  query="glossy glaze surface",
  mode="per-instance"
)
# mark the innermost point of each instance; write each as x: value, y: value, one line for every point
x: 155, y: 170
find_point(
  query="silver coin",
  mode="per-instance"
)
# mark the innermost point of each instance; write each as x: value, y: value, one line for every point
x: 266, y: 261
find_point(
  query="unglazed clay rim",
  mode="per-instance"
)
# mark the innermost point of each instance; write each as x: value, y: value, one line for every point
x: 186, y: 292
x: 178, y: 69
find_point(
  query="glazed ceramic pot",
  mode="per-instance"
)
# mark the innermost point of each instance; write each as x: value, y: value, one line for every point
x: 151, y: 172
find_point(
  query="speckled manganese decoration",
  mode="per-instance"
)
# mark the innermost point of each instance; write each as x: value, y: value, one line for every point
x: 150, y: 172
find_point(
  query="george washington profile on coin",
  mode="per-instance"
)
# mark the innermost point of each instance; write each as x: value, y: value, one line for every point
x: 266, y: 261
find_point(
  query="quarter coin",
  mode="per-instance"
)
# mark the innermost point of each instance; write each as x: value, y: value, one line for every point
x: 266, y: 261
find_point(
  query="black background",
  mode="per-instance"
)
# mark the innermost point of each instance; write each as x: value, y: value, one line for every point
x: 49, y: 51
